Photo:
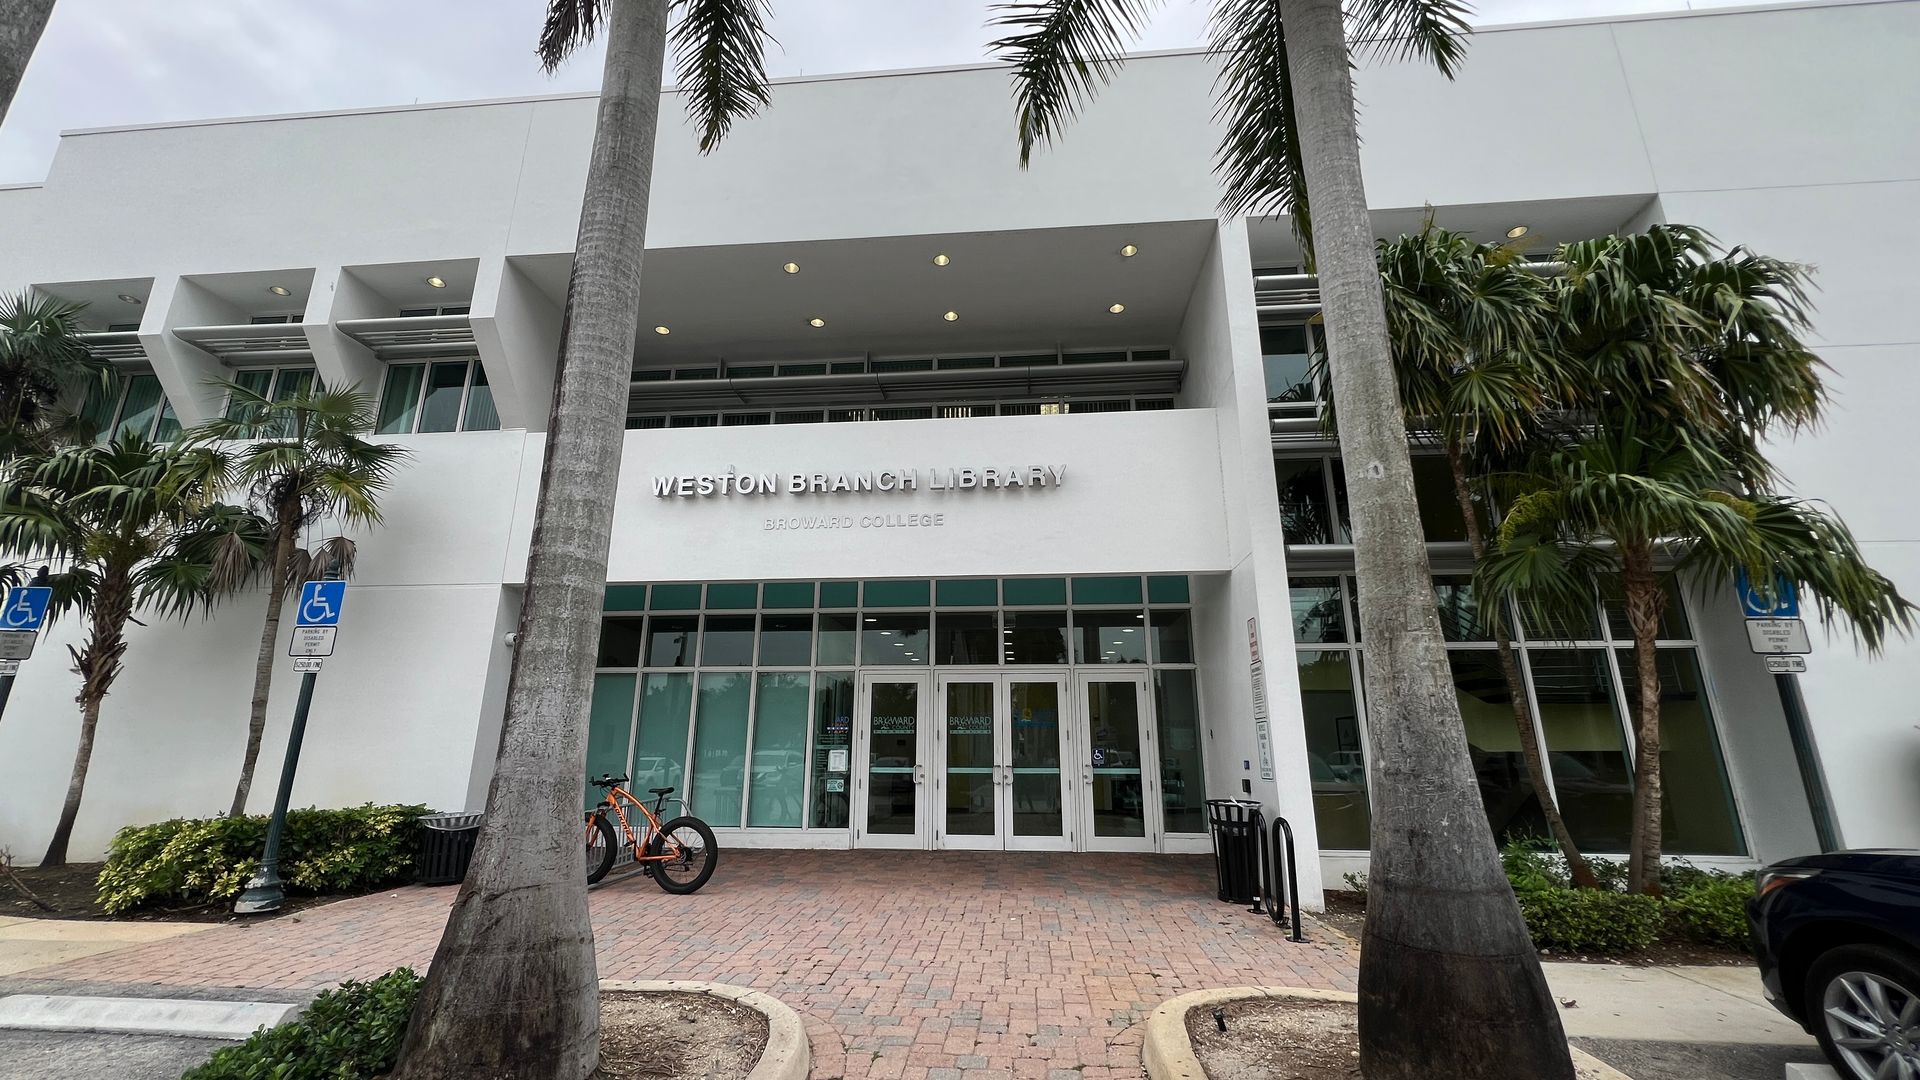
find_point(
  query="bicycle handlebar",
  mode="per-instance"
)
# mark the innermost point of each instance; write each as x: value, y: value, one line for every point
x: 609, y: 780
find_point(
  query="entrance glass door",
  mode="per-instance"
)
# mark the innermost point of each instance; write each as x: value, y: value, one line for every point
x: 1036, y: 758
x: 1117, y: 803
x: 999, y: 751
x: 969, y: 762
x: 891, y: 805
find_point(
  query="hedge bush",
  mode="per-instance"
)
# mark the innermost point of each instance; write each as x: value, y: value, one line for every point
x: 199, y: 860
x: 1591, y: 920
x: 1712, y: 909
x: 350, y: 1033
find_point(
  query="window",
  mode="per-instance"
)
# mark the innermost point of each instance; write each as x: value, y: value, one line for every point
x: 1313, y: 500
x: 441, y: 395
x: 135, y: 405
x: 1286, y: 354
x: 274, y: 384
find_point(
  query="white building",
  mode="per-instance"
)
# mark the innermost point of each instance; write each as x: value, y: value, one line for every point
x: 1020, y: 614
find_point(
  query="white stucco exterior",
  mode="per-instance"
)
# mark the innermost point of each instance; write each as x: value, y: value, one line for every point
x: 1786, y: 129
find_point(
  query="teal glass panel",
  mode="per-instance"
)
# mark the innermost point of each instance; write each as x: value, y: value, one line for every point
x: 676, y: 598
x: 141, y: 408
x: 1183, y: 778
x: 1697, y: 816
x: 891, y: 640
x: 1106, y: 590
x: 255, y: 381
x: 625, y: 598
x: 671, y: 640
x: 481, y: 414
x: 837, y: 639
x: 660, y: 746
x: 777, y: 785
x: 720, y: 746
x: 292, y: 383
x: 400, y: 400
x: 727, y: 642
x: 1110, y: 637
x: 609, y: 729
x: 1172, y: 637
x: 832, y: 730
x: 733, y: 597
x: 619, y: 641
x: 440, y: 409
x: 895, y: 594
x: 962, y: 593
x: 843, y: 594
x: 98, y: 409
x: 1032, y: 591
x: 786, y: 640
x: 169, y: 427
x: 787, y: 594
x: 1168, y: 590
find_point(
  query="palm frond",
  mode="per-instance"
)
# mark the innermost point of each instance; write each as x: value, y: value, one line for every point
x: 1062, y: 52
x: 1434, y: 30
x: 569, y: 25
x: 719, y: 48
x: 1259, y: 156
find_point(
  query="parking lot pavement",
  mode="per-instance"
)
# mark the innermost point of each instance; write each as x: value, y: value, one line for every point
x: 66, y: 1055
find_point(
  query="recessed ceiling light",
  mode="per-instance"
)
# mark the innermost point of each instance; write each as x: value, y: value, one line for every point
x: 941, y: 260
x: 129, y: 298
x: 661, y: 330
x: 791, y: 268
x: 436, y: 282
x: 1117, y: 308
x: 279, y: 290
x: 951, y: 316
x: 1517, y: 232
x: 816, y: 322
x: 1129, y: 251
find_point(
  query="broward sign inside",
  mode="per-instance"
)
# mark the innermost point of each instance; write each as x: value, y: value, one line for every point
x: 734, y: 482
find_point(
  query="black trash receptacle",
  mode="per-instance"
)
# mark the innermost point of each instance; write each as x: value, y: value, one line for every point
x: 446, y: 847
x: 1236, y: 847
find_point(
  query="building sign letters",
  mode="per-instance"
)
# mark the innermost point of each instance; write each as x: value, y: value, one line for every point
x: 885, y: 481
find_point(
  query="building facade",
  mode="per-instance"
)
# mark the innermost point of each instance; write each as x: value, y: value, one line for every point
x: 966, y: 506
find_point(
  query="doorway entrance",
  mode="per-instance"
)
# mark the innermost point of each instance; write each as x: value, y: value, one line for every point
x: 1036, y: 760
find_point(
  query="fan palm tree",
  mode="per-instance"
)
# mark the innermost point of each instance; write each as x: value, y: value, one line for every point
x: 1688, y: 360
x: 21, y: 22
x: 305, y: 464
x: 45, y: 370
x: 129, y: 523
x: 1445, y: 948
x: 1473, y: 357
x: 511, y: 991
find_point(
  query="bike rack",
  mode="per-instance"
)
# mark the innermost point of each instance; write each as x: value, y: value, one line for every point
x: 1274, y: 875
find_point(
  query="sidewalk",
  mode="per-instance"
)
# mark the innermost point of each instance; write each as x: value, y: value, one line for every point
x: 1678, y: 1023
x: 26, y: 944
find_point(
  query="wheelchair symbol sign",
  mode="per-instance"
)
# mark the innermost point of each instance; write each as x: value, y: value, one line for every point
x: 26, y: 608
x: 320, y: 603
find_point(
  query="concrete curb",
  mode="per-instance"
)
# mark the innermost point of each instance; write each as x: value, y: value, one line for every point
x: 232, y: 1020
x: 1167, y: 1053
x: 786, y: 1057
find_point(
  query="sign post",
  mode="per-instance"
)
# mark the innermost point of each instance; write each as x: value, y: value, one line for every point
x: 1776, y: 632
x: 21, y: 617
x: 316, y: 621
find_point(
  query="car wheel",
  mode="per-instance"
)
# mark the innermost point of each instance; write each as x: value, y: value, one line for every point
x: 1864, y: 1001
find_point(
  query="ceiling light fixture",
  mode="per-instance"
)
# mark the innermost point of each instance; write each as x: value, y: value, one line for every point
x: 279, y: 290
x: 437, y: 282
x: 661, y: 330
x: 791, y: 268
x: 941, y: 260
x: 951, y: 316
x: 816, y: 322
x: 1129, y: 251
x: 1517, y: 232
x: 129, y: 298
x: 1117, y: 308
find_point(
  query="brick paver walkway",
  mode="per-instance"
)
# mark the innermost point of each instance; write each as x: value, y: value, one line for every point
x: 932, y: 966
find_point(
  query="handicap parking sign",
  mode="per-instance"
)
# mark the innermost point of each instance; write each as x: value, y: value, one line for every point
x: 320, y: 603
x: 26, y: 608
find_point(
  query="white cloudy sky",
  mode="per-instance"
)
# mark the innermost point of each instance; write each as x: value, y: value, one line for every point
x: 110, y: 62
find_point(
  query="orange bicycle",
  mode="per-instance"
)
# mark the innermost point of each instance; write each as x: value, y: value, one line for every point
x: 679, y: 856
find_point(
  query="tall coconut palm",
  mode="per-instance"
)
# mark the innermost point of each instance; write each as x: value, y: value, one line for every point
x: 305, y: 463
x: 512, y: 990
x: 21, y: 22
x: 127, y: 523
x: 1688, y: 360
x: 1444, y: 948
x: 45, y: 372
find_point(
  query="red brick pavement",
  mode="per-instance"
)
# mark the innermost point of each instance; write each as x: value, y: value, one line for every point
x: 931, y: 966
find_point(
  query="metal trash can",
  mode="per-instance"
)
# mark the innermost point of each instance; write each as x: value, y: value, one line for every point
x: 446, y: 847
x: 1236, y: 848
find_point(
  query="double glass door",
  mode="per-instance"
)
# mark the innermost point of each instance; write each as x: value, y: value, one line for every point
x: 1005, y: 760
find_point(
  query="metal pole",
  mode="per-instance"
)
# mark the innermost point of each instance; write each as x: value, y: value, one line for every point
x: 264, y: 892
x: 1807, y: 756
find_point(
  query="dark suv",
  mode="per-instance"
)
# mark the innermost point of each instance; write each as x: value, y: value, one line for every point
x: 1838, y: 938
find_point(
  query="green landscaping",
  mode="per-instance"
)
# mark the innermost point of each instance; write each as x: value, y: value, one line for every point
x: 348, y: 1033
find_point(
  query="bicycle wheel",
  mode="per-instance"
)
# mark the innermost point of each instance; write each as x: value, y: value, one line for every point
x: 602, y: 845
x: 699, y: 854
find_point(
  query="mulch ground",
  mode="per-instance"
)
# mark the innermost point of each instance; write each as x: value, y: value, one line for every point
x: 1268, y: 1039
x: 69, y: 892
x: 1347, y: 912
x: 671, y: 1036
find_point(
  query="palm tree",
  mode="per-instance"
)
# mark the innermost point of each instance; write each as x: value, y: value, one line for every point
x: 512, y: 991
x: 1688, y: 360
x: 305, y: 464
x: 21, y: 22
x: 1477, y: 371
x: 45, y: 371
x: 1445, y: 948
x: 126, y: 522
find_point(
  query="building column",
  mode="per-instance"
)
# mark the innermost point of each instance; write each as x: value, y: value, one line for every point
x: 516, y: 329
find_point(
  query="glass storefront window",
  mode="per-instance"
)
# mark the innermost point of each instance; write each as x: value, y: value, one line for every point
x: 966, y: 637
x: 1493, y: 743
x: 832, y: 730
x: 1183, y: 780
x: 1286, y: 355
x: 671, y: 641
x: 786, y: 640
x: 1673, y: 620
x: 660, y: 746
x: 1172, y: 637
x: 1336, y: 753
x: 609, y: 730
x: 1459, y: 610
x: 401, y: 400
x: 728, y: 641
x: 619, y: 642
x: 779, y: 764
x: 1036, y: 637
x: 837, y: 636
x: 892, y: 640
x: 1301, y: 484
x: 1433, y: 493
x: 1319, y: 615
x: 1586, y: 750
x: 1696, y: 806
x: 719, y: 746
x: 1110, y: 637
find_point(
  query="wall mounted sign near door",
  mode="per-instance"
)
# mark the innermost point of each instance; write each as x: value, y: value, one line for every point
x: 1099, y: 756
x: 837, y: 760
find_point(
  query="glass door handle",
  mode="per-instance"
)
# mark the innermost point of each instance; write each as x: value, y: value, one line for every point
x: 919, y: 774
x: 1086, y: 773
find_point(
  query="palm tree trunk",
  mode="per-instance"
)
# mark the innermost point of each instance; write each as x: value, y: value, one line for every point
x: 1646, y: 601
x: 1577, y: 867
x: 98, y: 664
x: 21, y: 22
x: 1450, y: 984
x: 512, y: 991
x: 263, y: 664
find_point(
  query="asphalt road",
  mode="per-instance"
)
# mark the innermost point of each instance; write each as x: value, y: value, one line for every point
x: 60, y: 1055
x: 1647, y: 1060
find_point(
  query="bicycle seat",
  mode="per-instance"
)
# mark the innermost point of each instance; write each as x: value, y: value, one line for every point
x: 609, y: 780
x: 659, y: 791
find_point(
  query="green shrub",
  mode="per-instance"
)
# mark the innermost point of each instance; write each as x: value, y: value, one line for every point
x: 1591, y: 920
x: 1713, y: 909
x: 350, y: 1033
x: 197, y: 860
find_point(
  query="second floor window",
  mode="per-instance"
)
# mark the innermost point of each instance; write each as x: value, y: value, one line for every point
x: 136, y: 405
x: 441, y: 395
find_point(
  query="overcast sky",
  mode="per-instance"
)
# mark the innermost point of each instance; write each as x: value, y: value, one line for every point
x: 110, y: 62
